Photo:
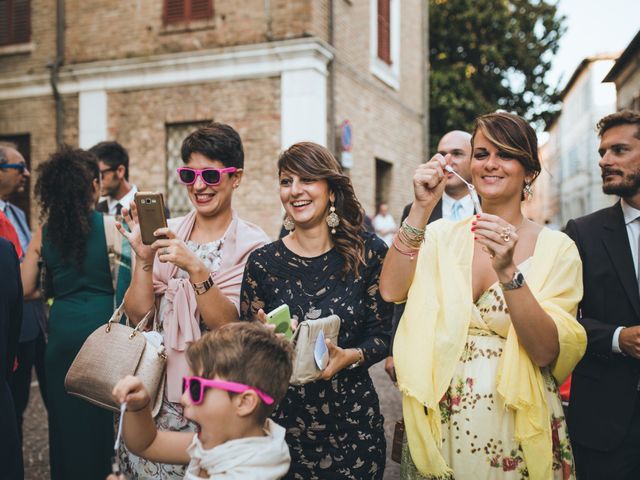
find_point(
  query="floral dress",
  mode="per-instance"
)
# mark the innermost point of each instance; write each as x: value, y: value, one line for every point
x: 334, y: 427
x: 477, y: 429
x: 170, y: 416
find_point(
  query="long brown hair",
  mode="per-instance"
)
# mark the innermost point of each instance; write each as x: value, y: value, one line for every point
x: 310, y: 160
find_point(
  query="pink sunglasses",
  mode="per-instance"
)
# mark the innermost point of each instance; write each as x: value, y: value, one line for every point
x: 197, y: 385
x: 210, y: 176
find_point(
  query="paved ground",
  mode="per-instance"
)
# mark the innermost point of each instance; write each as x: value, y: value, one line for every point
x: 36, y: 446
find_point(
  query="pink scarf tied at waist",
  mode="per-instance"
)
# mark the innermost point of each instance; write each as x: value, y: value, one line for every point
x: 181, y: 317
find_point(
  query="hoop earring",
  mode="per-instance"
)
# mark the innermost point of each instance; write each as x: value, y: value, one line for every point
x: 527, y: 190
x: 288, y: 223
x: 333, y: 220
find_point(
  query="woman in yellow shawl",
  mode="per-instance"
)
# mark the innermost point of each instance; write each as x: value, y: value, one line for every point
x: 489, y: 328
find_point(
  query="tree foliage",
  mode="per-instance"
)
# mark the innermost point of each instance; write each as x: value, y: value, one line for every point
x: 490, y: 54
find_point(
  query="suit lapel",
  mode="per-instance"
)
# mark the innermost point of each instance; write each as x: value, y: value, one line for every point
x: 616, y: 242
x: 437, y: 212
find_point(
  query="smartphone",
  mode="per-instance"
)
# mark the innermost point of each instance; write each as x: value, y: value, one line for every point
x: 281, y: 318
x: 151, y: 215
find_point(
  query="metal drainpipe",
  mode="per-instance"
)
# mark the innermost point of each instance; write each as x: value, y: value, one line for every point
x: 269, y: 20
x: 54, y: 69
x: 331, y: 89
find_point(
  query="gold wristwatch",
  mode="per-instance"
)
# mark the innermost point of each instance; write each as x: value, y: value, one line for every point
x: 202, y: 287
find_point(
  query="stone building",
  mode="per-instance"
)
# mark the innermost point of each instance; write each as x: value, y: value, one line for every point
x: 625, y: 73
x: 572, y: 183
x: 148, y: 72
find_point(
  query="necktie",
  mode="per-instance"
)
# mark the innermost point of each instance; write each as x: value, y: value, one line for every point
x: 456, y: 208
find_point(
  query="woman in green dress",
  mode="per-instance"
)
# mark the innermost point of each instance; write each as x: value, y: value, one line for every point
x: 73, y: 247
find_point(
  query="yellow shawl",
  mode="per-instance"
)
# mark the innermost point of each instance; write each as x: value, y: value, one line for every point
x: 433, y: 331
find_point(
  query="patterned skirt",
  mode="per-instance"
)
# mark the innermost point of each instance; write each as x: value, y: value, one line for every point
x: 478, y: 430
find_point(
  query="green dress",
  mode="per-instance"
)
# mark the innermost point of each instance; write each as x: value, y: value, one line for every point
x: 80, y: 434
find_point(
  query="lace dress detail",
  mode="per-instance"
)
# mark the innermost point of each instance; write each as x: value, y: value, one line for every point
x: 334, y: 427
x: 477, y: 428
x: 171, y: 415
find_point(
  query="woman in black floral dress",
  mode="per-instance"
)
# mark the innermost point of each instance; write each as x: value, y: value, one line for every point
x: 334, y: 426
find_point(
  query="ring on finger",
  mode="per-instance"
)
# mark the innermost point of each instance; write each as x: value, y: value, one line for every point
x: 165, y: 251
x: 506, y: 234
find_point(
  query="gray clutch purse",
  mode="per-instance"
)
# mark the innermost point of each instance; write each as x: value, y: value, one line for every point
x: 305, y: 369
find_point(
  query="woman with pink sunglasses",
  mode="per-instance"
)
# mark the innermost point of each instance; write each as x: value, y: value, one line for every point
x: 191, y: 275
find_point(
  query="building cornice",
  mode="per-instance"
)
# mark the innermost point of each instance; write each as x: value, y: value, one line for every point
x: 231, y: 63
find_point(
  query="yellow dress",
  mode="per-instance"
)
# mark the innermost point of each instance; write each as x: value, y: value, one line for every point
x: 440, y: 328
x: 477, y: 429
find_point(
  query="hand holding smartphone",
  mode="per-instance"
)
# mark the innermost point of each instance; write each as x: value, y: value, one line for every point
x: 150, y: 206
x: 281, y: 318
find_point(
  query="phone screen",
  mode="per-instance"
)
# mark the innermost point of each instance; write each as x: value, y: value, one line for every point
x: 281, y: 318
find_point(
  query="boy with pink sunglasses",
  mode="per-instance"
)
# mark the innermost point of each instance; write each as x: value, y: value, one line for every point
x: 242, y: 372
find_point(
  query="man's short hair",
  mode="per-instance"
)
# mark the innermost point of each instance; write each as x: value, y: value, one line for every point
x: 113, y: 154
x: 216, y: 141
x: 623, y: 117
x: 246, y: 353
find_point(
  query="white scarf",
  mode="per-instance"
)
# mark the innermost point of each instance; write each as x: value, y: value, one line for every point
x: 248, y: 458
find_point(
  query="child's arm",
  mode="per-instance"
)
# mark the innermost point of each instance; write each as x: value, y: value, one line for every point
x: 139, y: 430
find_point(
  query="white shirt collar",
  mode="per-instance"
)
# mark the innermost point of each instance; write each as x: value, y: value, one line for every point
x: 3, y: 204
x: 630, y: 213
x: 124, y: 201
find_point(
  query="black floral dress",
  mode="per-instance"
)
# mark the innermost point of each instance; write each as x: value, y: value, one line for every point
x: 334, y: 427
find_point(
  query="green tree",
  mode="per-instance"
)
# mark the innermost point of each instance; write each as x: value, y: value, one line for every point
x: 490, y: 54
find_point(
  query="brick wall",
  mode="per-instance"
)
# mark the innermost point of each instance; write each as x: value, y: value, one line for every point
x: 387, y: 123
x: 98, y: 31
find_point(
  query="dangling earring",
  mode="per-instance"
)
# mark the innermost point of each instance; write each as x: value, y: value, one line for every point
x: 528, y: 190
x: 333, y: 220
x: 288, y: 223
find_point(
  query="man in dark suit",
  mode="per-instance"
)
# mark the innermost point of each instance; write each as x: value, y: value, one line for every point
x: 10, y: 321
x: 32, y: 343
x: 455, y: 204
x: 113, y: 161
x: 604, y: 412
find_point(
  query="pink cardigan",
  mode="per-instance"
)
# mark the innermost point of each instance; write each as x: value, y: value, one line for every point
x: 181, y: 322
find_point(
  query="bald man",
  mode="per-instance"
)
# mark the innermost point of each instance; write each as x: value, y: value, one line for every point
x: 456, y: 203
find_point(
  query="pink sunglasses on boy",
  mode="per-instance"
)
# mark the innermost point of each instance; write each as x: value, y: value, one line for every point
x: 210, y: 176
x: 197, y: 385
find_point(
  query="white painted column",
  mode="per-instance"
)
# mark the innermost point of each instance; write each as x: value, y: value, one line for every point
x: 93, y: 118
x: 303, y: 107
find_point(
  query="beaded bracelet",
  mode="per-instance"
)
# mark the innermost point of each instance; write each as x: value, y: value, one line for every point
x: 409, y: 241
x: 407, y: 253
x: 417, y: 232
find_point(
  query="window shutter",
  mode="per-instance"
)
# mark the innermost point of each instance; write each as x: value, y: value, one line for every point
x: 384, y: 31
x: 15, y: 21
x: 200, y: 9
x: 174, y: 11
x: 21, y: 21
x: 181, y: 11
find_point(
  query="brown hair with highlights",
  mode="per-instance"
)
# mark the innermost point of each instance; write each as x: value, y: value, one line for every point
x: 513, y: 135
x: 310, y: 160
x: 246, y: 353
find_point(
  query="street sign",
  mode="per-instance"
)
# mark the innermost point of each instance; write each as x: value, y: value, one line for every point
x: 346, y: 136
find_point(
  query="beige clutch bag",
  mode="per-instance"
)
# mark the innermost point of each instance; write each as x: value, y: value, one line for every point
x: 112, y: 352
x: 305, y: 369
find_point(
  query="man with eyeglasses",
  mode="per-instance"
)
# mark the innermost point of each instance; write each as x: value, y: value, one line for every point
x: 13, y: 177
x: 113, y: 161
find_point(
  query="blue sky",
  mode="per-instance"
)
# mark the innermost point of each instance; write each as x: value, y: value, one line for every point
x: 593, y: 27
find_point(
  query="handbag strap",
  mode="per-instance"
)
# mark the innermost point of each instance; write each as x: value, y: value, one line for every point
x: 117, y: 315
